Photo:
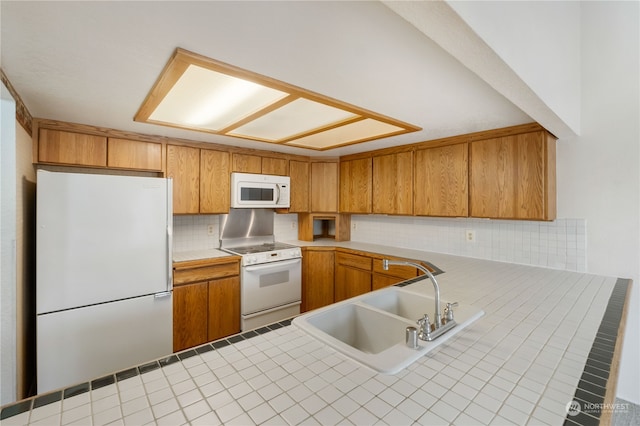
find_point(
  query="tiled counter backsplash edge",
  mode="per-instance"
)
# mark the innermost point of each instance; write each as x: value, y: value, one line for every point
x: 560, y: 244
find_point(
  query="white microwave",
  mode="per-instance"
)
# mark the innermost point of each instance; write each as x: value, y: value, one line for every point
x: 259, y: 191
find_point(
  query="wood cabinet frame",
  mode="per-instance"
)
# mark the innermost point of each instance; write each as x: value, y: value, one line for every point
x: 202, y: 290
x: 324, y: 193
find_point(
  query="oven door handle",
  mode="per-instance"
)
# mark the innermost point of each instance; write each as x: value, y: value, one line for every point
x: 276, y: 264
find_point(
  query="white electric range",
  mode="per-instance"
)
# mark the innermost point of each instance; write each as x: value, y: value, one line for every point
x: 271, y: 272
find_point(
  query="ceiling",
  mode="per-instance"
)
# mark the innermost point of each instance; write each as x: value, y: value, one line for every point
x: 95, y: 62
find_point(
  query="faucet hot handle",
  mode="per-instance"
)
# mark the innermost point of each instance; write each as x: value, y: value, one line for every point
x: 448, y: 311
x: 425, y: 327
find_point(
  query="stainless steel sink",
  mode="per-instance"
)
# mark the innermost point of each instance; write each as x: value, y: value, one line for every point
x: 370, y: 328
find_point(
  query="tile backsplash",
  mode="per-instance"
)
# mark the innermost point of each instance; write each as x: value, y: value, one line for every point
x: 560, y: 244
x: 192, y: 232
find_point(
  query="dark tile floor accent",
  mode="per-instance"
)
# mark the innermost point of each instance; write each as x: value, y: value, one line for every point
x: 593, y: 383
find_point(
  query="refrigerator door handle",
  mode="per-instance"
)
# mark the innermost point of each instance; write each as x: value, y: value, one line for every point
x: 169, y: 234
x: 162, y: 295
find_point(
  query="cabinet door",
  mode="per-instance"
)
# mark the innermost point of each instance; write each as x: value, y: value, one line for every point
x: 60, y: 147
x: 299, y: 173
x: 317, y: 279
x: 381, y: 281
x: 128, y: 154
x: 275, y: 166
x: 215, y: 183
x: 190, y: 312
x: 393, y: 181
x: 324, y: 187
x: 510, y: 177
x: 351, y: 282
x: 355, y: 186
x: 353, y: 276
x: 246, y: 163
x: 224, y: 307
x: 441, y: 181
x: 183, y: 165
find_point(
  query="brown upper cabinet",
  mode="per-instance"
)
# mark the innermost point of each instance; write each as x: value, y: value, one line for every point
x: 513, y: 177
x: 215, y: 176
x: 324, y: 187
x: 248, y: 163
x: 355, y: 185
x: 59, y: 147
x: 504, y: 173
x: 275, y: 166
x: 80, y: 149
x: 183, y: 166
x: 299, y: 193
x: 128, y: 154
x: 393, y: 183
x: 441, y: 181
x: 201, y: 179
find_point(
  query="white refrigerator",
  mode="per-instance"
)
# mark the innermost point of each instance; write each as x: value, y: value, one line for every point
x: 103, y: 275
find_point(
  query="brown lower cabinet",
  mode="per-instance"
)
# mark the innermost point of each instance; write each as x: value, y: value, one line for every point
x: 190, y: 315
x: 330, y: 275
x: 353, y: 275
x: 318, y: 275
x: 206, y: 301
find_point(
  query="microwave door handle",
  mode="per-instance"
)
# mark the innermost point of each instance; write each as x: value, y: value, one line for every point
x: 278, y: 196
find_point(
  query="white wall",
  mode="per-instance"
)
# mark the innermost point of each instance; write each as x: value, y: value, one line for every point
x: 599, y: 171
x: 8, y: 368
x: 540, y: 41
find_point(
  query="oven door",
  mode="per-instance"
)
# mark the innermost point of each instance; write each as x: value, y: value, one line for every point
x: 270, y: 285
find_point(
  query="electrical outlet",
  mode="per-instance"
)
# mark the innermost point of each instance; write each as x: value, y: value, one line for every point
x: 354, y: 225
x: 294, y: 225
x: 470, y: 235
x: 210, y: 230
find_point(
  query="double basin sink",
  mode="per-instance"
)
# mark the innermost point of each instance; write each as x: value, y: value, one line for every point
x: 370, y: 328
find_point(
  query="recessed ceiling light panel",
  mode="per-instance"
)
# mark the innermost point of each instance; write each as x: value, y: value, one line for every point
x: 356, y: 132
x: 199, y: 93
x: 295, y: 118
x: 207, y: 99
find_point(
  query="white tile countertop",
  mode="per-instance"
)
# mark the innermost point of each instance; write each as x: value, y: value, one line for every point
x: 184, y: 256
x: 520, y: 363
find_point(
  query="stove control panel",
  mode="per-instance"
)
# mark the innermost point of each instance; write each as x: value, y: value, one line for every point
x: 271, y: 256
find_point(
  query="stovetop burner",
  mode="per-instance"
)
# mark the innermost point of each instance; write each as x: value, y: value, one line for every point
x: 259, y: 248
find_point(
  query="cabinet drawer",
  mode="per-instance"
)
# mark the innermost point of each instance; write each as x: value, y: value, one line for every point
x: 399, y: 271
x: 354, y: 261
x: 205, y: 273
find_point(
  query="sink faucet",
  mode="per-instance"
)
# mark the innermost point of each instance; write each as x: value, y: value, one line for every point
x: 438, y: 317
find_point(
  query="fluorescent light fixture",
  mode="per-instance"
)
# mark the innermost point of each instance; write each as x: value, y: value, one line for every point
x: 198, y: 93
